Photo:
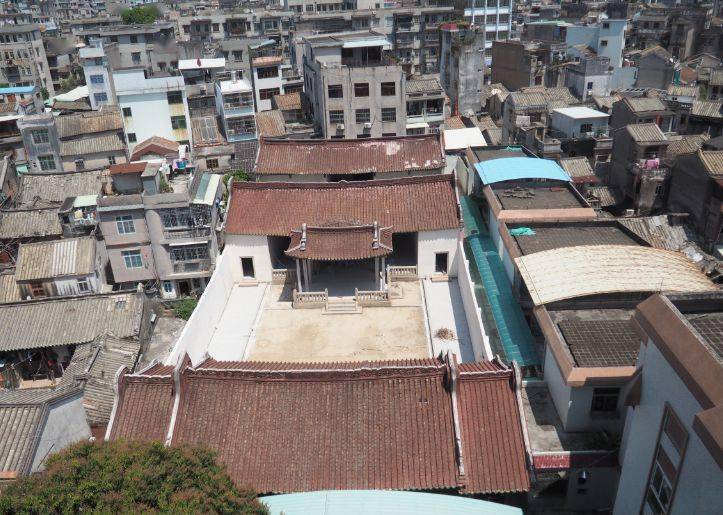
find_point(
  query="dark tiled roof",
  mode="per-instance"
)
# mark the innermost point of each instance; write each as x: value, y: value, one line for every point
x: 710, y: 327
x: 340, y: 243
x: 577, y: 167
x: 601, y: 343
x: 301, y: 157
x: 288, y: 427
x: 407, y: 205
x: 548, y: 237
x: 71, y: 125
x: 29, y: 223
x: 708, y: 108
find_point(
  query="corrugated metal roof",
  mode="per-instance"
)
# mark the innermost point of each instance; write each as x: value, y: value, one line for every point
x: 514, y: 168
x: 299, y: 157
x: 57, y: 258
x: 290, y: 412
x: 407, y: 205
x: 646, y: 133
x: 55, y: 188
x: 572, y: 272
x: 29, y: 224
x: 69, y: 321
x: 70, y: 125
x: 82, y: 147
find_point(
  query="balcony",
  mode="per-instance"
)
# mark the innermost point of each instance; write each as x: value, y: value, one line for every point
x: 189, y: 267
x: 193, y: 232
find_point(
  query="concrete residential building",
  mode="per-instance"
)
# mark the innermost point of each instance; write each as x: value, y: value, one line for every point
x: 641, y: 109
x: 637, y: 169
x: 671, y: 453
x: 75, y: 142
x: 235, y: 106
x: 355, y: 88
x: 23, y: 56
x: 266, y: 80
x: 496, y: 18
x: 589, y: 77
x: 462, y: 66
x: 606, y: 38
x: 152, y: 106
x: 153, y: 235
x: 97, y: 60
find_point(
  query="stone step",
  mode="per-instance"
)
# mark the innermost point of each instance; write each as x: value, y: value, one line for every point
x: 341, y: 307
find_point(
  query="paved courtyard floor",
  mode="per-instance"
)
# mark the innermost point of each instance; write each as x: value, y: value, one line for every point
x: 377, y: 333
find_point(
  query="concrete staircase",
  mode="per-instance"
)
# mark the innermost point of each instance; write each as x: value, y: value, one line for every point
x: 341, y: 306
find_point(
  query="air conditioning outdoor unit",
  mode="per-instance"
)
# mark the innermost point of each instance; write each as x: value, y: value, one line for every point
x: 368, y: 125
x: 340, y: 126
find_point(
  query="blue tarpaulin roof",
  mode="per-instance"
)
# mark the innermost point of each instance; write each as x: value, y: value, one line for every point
x: 515, y: 168
x: 17, y: 90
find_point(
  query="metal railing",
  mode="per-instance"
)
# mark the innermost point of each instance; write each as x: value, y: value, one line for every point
x: 198, y: 265
x: 310, y: 299
x: 194, y: 232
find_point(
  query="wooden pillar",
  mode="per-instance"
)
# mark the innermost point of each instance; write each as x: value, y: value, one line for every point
x: 298, y: 275
x: 376, y: 272
x: 306, y: 274
x: 383, y: 276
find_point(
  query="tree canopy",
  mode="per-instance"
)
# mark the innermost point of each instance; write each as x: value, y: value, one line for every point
x: 142, y: 14
x: 129, y: 477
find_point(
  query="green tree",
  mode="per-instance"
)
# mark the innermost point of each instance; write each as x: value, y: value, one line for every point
x: 140, y: 15
x: 129, y: 477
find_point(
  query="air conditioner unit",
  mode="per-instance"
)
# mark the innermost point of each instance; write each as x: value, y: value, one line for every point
x: 203, y: 89
x: 368, y: 125
x: 340, y: 126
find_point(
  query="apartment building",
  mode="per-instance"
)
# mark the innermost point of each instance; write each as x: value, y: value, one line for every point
x: 671, y: 455
x: 589, y: 77
x: 22, y: 53
x: 157, y: 235
x: 152, y: 106
x: 149, y: 46
x: 235, y: 107
x: 98, y: 61
x: 355, y: 87
x: 462, y: 66
x: 496, y: 17
x: 91, y: 140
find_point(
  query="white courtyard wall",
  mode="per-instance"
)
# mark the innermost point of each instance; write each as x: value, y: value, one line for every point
x: 431, y: 242
x: 473, y: 314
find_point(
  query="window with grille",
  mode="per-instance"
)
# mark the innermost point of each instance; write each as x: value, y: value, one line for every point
x: 189, y: 253
x: 40, y: 136
x: 336, y: 91
x: 363, y: 116
x: 47, y: 163
x: 96, y: 79
x: 132, y: 258
x: 605, y: 400
x: 267, y: 94
x: 388, y: 89
x: 267, y: 72
x: 132, y: 137
x: 211, y: 163
x: 389, y: 114
x: 361, y: 89
x: 125, y: 224
x: 83, y: 286
x: 175, y: 97
x: 178, y: 122
x: 127, y: 111
x: 665, y: 468
x: 336, y: 116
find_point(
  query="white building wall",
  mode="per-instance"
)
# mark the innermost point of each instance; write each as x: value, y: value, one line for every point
x: 431, y: 242
x: 65, y: 425
x: 559, y: 391
x: 150, y: 116
x: 69, y: 285
x: 473, y: 314
x: 701, y: 480
x: 267, y: 83
x: 246, y: 245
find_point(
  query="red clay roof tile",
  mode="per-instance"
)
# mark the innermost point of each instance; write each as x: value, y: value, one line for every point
x: 407, y: 205
x: 304, y: 157
x: 340, y: 243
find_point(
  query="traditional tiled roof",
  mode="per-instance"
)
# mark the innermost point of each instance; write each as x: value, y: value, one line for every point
x: 708, y: 108
x: 128, y: 168
x: 154, y: 145
x: 716, y: 77
x: 9, y: 291
x: 288, y: 102
x: 644, y: 104
x: 266, y: 60
x: 657, y: 51
x: 19, y: 426
x: 577, y: 168
x: 72, y: 125
x: 423, y: 85
x: 684, y: 144
x: 28, y: 223
x: 205, y: 131
x: 54, y: 259
x: 646, y: 133
x: 712, y: 161
x: 340, y: 243
x: 607, y: 196
x: 542, y: 97
x: 55, y: 188
x: 69, y: 321
x: 289, y: 427
x: 407, y: 205
x: 301, y: 157
x: 682, y: 91
x: 92, y: 145
x: 270, y: 124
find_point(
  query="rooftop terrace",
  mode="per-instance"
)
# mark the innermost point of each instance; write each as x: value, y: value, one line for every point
x: 531, y: 238
x: 536, y: 195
